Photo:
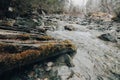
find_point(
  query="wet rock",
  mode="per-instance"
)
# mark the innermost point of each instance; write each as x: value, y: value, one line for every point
x: 65, y: 59
x: 38, y: 79
x: 8, y: 22
x: 84, y: 22
x: 48, y: 68
x: 69, y: 28
x: 64, y: 72
x: 118, y: 29
x: 68, y: 60
x: 108, y: 37
x: 32, y: 73
x: 26, y: 22
x: 50, y: 22
x: 49, y: 64
x: 50, y: 28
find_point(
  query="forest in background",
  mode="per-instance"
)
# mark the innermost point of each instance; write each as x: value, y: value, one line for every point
x: 12, y: 8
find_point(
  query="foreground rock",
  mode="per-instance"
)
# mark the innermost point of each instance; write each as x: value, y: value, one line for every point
x: 69, y: 28
x: 108, y: 37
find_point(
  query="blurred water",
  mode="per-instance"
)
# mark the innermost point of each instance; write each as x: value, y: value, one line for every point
x: 94, y: 60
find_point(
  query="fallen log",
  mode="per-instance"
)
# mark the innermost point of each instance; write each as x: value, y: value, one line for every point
x: 24, y: 29
x: 24, y: 37
x: 12, y: 56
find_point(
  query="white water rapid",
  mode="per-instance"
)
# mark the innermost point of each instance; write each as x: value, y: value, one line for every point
x: 95, y: 59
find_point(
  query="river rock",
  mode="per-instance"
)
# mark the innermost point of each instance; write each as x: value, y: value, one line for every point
x: 68, y: 60
x: 69, y: 27
x: 108, y: 37
x: 118, y: 29
x: 49, y: 64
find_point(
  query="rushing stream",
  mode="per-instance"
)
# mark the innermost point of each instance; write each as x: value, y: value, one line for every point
x: 95, y: 35
x: 94, y: 60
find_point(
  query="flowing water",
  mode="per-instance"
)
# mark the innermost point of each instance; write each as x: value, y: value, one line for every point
x: 94, y: 60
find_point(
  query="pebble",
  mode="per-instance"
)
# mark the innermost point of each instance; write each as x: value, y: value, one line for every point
x: 31, y: 74
x: 38, y: 79
x: 48, y: 68
x: 46, y: 79
x: 49, y: 64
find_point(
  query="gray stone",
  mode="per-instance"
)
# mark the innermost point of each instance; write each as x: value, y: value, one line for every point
x: 108, y: 37
x: 69, y: 28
